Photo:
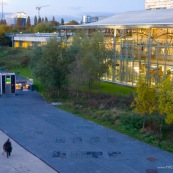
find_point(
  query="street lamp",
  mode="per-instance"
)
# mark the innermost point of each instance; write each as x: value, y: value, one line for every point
x: 2, y: 9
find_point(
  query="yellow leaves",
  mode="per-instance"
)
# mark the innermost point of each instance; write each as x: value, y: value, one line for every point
x: 145, y: 101
x: 63, y: 45
x: 3, y: 29
x: 169, y: 119
x: 165, y: 96
x: 154, y: 98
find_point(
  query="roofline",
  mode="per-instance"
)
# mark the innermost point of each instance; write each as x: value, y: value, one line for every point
x: 121, y: 26
x: 131, y: 19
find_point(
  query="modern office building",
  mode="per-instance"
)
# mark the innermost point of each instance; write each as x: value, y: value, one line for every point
x: 22, y: 16
x: 11, y: 19
x: 142, y: 41
x: 158, y: 4
x: 90, y: 19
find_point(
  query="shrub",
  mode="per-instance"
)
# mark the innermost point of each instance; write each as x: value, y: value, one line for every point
x: 133, y: 121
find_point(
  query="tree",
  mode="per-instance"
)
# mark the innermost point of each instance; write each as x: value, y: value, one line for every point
x: 5, y: 41
x: 19, y: 24
x: 72, y: 22
x: 145, y: 102
x: 51, y: 66
x: 35, y: 20
x: 92, y: 54
x: 35, y: 59
x: 46, y: 19
x: 4, y: 28
x: 53, y: 22
x: 44, y: 27
x: 3, y: 22
x: 101, y: 55
x: 76, y: 75
x: 28, y: 22
x: 39, y: 19
x: 165, y: 101
x: 62, y: 21
x: 169, y: 118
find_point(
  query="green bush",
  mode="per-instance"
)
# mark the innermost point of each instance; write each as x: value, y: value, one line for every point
x: 14, y: 58
x: 132, y: 121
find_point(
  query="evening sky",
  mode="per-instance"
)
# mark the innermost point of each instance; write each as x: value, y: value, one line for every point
x: 72, y: 8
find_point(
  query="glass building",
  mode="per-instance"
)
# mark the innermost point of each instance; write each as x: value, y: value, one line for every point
x: 22, y: 16
x: 158, y: 4
x: 142, y: 41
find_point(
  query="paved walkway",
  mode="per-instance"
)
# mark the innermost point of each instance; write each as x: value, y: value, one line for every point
x: 70, y: 144
x: 21, y: 161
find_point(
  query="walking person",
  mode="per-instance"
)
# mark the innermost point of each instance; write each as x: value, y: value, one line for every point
x: 8, y: 147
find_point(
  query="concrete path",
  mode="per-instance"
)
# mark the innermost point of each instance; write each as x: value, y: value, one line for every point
x: 21, y: 161
x: 70, y: 144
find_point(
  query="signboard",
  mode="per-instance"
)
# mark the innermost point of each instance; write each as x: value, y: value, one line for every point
x: 8, y: 80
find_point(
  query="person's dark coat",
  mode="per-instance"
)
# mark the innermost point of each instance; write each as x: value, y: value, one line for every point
x: 8, y: 146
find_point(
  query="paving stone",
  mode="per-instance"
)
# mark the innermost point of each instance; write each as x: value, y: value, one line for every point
x: 70, y: 144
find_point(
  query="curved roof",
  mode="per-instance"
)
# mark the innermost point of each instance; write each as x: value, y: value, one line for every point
x: 145, y: 17
x: 161, y: 18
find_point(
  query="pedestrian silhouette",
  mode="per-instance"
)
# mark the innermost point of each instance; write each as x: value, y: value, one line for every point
x: 7, y: 147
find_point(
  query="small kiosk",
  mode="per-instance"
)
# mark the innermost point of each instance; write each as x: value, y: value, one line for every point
x: 7, y: 83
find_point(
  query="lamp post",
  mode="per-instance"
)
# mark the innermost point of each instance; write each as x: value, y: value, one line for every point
x: 2, y: 10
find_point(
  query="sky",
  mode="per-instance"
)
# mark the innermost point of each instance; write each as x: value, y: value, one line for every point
x: 71, y: 8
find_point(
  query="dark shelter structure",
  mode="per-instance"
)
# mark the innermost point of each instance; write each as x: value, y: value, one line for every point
x: 7, y: 83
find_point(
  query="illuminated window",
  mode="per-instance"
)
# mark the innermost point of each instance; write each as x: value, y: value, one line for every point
x: 158, y: 4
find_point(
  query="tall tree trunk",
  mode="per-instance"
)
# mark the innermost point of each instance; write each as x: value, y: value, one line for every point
x: 161, y: 123
x: 77, y: 95
x: 58, y: 93
x: 144, y: 120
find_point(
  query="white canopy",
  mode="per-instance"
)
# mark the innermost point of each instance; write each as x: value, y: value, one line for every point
x: 145, y: 17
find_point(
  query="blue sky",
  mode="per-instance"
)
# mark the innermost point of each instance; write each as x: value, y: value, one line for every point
x: 72, y: 8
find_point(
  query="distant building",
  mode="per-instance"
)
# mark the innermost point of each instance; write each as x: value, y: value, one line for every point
x: 158, y: 4
x: 91, y: 19
x: 22, y: 16
x: 12, y: 18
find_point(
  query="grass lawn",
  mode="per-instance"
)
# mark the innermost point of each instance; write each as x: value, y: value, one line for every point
x: 113, y: 89
x: 24, y: 72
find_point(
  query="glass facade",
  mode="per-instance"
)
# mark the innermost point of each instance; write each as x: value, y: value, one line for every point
x: 138, y: 52
x: 21, y: 16
x: 158, y: 4
x: 142, y: 52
